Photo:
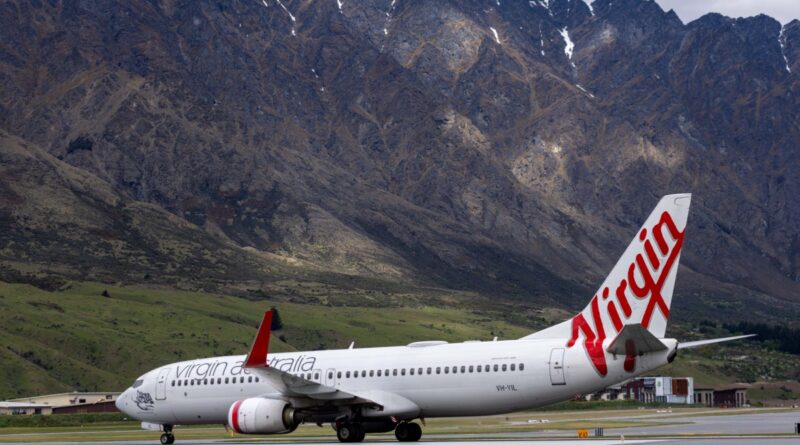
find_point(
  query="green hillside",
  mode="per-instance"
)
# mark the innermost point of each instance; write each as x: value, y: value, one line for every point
x: 78, y: 339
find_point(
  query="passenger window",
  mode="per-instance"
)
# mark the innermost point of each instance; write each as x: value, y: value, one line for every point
x: 211, y: 382
x: 355, y: 374
x: 479, y: 367
x: 226, y: 380
x: 419, y: 371
x: 363, y: 373
x: 250, y: 379
x: 257, y: 380
x: 463, y: 369
x: 241, y: 379
x: 411, y: 371
x: 438, y: 370
x: 179, y: 383
x: 371, y: 373
x: 522, y: 366
x: 513, y: 366
x: 205, y: 381
x: 347, y: 374
x: 403, y: 371
x: 504, y: 367
x: 339, y: 374
x: 470, y: 368
x: 386, y: 372
x: 394, y: 372
x: 173, y: 383
x: 447, y: 370
x: 316, y: 376
x: 330, y: 375
x: 379, y: 373
x: 496, y: 368
x: 455, y: 369
x: 429, y: 371
x: 192, y: 382
x: 486, y: 368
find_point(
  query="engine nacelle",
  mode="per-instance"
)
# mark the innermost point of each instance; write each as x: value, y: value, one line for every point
x: 262, y: 416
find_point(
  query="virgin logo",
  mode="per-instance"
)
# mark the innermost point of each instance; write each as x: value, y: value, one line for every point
x: 645, y: 280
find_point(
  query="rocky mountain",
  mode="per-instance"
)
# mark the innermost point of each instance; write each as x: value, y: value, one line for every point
x: 506, y: 147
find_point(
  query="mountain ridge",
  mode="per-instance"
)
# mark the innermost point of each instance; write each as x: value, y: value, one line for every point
x: 404, y: 140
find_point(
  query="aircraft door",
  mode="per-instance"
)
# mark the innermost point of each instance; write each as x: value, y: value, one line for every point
x: 161, y: 384
x: 330, y: 377
x: 557, y: 367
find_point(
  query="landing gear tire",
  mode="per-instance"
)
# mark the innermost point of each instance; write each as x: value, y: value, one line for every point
x: 350, y: 432
x: 167, y: 439
x: 408, y: 432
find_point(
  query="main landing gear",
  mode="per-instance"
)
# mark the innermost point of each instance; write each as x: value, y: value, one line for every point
x: 408, y: 432
x: 350, y: 432
x: 167, y: 438
x: 354, y: 432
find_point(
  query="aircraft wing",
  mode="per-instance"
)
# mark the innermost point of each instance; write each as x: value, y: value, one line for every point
x: 287, y: 384
x: 378, y: 403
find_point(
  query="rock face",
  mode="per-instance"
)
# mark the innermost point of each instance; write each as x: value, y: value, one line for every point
x: 509, y: 147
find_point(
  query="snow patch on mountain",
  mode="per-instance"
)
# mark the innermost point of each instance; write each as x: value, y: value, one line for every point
x: 496, y: 37
x: 782, y: 43
x: 589, y: 4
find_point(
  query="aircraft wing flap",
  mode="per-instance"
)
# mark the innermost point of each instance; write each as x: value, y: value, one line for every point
x: 290, y: 385
x: 635, y: 339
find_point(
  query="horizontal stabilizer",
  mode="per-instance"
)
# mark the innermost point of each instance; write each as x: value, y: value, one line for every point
x: 698, y: 343
x: 634, y: 339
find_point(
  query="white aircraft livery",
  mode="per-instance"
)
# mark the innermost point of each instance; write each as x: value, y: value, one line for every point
x: 620, y: 334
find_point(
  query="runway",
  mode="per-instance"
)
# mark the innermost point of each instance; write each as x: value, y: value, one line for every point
x: 769, y: 440
x: 698, y: 428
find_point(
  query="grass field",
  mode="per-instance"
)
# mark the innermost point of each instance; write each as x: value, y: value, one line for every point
x: 77, y: 339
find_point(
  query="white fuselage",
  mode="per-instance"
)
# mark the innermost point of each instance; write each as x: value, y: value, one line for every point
x: 522, y: 374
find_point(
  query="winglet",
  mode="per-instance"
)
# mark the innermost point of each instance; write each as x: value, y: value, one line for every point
x: 257, y: 358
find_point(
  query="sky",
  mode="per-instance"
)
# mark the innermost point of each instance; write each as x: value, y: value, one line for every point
x: 783, y: 10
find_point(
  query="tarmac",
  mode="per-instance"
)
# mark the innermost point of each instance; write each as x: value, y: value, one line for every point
x: 773, y: 428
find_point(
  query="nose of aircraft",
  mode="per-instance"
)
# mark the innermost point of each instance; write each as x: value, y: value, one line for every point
x: 122, y: 401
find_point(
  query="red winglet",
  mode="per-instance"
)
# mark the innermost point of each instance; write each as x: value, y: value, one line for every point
x: 257, y: 358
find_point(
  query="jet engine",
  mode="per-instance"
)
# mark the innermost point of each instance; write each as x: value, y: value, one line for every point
x: 262, y: 416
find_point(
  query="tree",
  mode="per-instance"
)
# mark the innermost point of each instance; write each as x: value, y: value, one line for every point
x: 277, y: 323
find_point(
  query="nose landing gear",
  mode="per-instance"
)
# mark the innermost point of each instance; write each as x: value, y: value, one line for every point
x: 167, y: 438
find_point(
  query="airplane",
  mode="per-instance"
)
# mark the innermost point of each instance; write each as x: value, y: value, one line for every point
x: 617, y: 336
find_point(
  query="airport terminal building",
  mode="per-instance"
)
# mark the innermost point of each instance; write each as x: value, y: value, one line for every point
x: 675, y: 390
x: 63, y: 403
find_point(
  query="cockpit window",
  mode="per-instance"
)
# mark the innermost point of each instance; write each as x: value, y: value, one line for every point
x: 137, y: 383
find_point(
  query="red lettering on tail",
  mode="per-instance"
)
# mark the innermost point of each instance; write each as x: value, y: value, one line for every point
x: 642, y: 284
x: 592, y: 343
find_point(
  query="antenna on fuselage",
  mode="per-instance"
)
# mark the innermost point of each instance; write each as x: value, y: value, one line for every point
x: 352, y: 343
x: 495, y: 339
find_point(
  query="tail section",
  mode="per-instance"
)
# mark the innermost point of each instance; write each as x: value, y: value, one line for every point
x: 639, y: 288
